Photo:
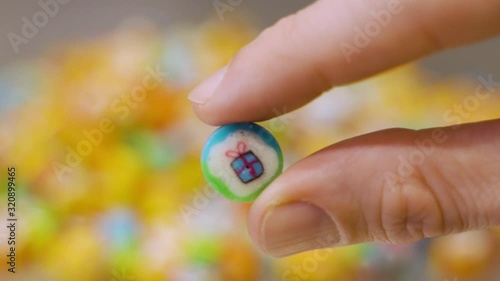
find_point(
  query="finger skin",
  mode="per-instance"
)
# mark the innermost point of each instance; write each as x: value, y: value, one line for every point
x: 302, y: 55
x: 455, y: 187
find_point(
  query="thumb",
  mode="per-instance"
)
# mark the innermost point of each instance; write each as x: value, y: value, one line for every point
x: 334, y: 42
x: 392, y: 186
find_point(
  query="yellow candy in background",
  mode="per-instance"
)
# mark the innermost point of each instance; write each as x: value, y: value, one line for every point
x: 464, y: 255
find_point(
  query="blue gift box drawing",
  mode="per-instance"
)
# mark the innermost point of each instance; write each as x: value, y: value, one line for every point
x: 246, y: 165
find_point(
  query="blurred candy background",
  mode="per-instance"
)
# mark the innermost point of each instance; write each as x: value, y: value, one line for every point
x: 107, y: 149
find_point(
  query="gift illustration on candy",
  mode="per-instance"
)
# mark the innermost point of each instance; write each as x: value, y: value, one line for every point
x: 245, y: 164
x: 250, y: 151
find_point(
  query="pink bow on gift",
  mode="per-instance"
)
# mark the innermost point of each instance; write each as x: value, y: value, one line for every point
x: 242, y: 148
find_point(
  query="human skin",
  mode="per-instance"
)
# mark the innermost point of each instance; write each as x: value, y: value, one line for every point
x: 342, y: 194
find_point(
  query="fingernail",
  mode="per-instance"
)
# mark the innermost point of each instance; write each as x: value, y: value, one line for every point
x: 297, y: 227
x: 207, y: 88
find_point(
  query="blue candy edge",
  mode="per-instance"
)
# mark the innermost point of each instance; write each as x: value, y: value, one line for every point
x: 220, y: 135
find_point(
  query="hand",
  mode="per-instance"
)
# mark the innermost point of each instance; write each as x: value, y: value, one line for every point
x: 352, y: 192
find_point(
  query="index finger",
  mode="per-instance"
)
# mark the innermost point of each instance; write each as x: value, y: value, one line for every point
x: 331, y: 43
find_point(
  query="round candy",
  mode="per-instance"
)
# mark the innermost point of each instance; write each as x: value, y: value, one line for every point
x: 240, y: 160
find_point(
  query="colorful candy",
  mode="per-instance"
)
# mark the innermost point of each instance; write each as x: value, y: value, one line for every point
x: 240, y: 160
